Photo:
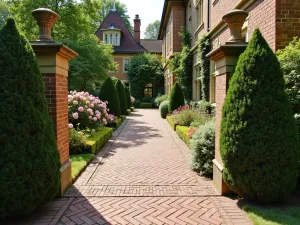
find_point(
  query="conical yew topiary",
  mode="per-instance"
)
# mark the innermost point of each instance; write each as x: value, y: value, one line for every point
x: 176, y: 98
x: 109, y: 93
x: 259, y: 142
x: 29, y: 159
x: 128, y: 97
x: 122, y: 97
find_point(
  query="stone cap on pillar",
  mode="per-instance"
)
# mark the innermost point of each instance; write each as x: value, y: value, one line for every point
x: 227, y: 50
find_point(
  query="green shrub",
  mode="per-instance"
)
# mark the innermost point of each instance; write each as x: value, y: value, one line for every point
x: 77, y: 142
x: 122, y: 97
x: 164, y: 108
x: 98, y: 140
x: 79, y: 163
x: 137, y: 103
x: 29, y: 159
x: 160, y: 98
x: 123, y: 117
x: 132, y: 109
x: 116, y: 123
x: 128, y: 112
x: 171, y: 122
x: 128, y: 97
x: 183, y: 133
x: 109, y: 93
x: 146, y: 100
x: 203, y: 149
x: 259, y: 142
x: 176, y: 98
x: 145, y: 105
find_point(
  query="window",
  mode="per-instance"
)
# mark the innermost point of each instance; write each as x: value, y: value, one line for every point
x: 212, y: 92
x: 169, y: 34
x: 106, y: 41
x: 126, y: 65
x: 117, y: 40
x: 148, y: 91
x: 189, y: 17
x: 199, y: 12
x: 111, y: 37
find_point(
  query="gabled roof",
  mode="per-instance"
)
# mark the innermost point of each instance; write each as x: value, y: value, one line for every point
x: 112, y: 27
x: 128, y: 44
x: 152, y: 46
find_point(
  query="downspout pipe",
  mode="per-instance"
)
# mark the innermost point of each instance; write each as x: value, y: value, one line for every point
x: 184, y: 7
x: 208, y: 16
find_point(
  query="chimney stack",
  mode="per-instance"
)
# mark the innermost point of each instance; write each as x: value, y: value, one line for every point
x: 137, y: 28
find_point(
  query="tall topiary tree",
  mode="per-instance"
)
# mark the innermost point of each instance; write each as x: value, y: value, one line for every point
x: 29, y: 158
x: 259, y: 142
x: 128, y: 97
x: 176, y: 98
x: 109, y: 93
x: 122, y: 97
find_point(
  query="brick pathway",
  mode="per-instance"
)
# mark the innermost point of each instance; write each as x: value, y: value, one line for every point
x: 141, y: 177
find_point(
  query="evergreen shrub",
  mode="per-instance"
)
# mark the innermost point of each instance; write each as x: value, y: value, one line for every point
x: 164, y: 109
x: 203, y: 149
x: 109, y: 93
x: 259, y: 141
x: 122, y: 97
x: 29, y: 159
x: 176, y: 98
x: 128, y: 97
x: 160, y: 98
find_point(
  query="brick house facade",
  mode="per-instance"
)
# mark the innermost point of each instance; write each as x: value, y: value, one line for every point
x: 278, y: 20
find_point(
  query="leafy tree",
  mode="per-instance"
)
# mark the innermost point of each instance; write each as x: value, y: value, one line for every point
x: 176, y: 98
x: 77, y: 18
x: 109, y: 93
x: 29, y: 159
x: 122, y: 97
x: 95, y: 60
x: 204, y: 49
x: 144, y: 69
x: 152, y: 30
x: 107, y: 5
x: 259, y: 142
x: 289, y: 59
x: 4, y: 12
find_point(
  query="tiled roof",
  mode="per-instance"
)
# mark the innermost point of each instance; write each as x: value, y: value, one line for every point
x: 152, y: 46
x: 128, y: 43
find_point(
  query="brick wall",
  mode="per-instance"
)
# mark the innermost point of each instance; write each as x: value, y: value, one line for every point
x: 178, y: 22
x: 119, y: 74
x: 56, y: 91
x: 287, y: 21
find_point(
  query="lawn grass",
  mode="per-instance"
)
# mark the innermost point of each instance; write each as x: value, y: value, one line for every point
x: 79, y: 163
x: 273, y: 215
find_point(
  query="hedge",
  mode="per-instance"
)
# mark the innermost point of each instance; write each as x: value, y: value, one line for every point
x: 171, y: 122
x: 79, y: 163
x: 182, y: 132
x: 116, y: 124
x: 98, y: 140
x: 122, y: 96
x: 132, y: 108
x: 145, y: 105
x: 128, y: 111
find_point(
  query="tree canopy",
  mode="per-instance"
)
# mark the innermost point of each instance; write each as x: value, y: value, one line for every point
x: 4, y: 12
x: 92, y: 65
x: 152, y: 30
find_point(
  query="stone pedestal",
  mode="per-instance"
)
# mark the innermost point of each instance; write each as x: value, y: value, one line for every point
x: 53, y: 59
x: 225, y: 57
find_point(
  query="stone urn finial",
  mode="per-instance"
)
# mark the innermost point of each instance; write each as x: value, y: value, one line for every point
x: 46, y: 19
x: 235, y: 20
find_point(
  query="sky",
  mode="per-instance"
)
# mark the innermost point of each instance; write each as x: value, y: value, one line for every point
x: 149, y: 11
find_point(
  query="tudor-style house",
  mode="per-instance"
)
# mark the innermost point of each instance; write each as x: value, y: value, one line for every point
x: 278, y: 20
x: 114, y: 31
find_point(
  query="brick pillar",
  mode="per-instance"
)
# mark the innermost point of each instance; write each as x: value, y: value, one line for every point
x: 53, y: 59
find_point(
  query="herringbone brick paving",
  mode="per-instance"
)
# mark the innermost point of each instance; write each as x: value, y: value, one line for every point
x: 142, y: 177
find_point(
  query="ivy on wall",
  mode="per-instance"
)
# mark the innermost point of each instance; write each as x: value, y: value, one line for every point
x: 204, y: 49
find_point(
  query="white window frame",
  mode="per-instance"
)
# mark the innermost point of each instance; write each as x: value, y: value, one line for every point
x: 126, y: 59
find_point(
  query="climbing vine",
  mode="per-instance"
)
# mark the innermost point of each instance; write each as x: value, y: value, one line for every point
x: 204, y: 48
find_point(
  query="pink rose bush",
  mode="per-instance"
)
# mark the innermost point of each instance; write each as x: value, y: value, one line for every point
x: 87, y: 111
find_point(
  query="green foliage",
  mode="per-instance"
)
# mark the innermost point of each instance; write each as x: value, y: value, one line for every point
x: 259, y: 142
x: 95, y: 60
x: 171, y: 122
x: 77, y: 142
x: 144, y: 69
x: 203, y: 149
x: 122, y: 97
x: 182, y: 65
x: 98, y: 140
x: 128, y: 97
x: 109, y: 93
x: 114, y: 80
x: 146, y: 100
x: 4, y: 12
x: 137, y: 103
x: 176, y: 98
x: 79, y: 163
x: 289, y: 59
x: 116, y: 123
x: 152, y: 30
x: 131, y: 108
x: 29, y: 159
x: 183, y: 133
x: 145, y: 105
x: 164, y: 108
x: 160, y: 98
x: 204, y: 49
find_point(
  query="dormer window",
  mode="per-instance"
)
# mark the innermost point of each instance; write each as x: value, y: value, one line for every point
x: 114, y: 35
